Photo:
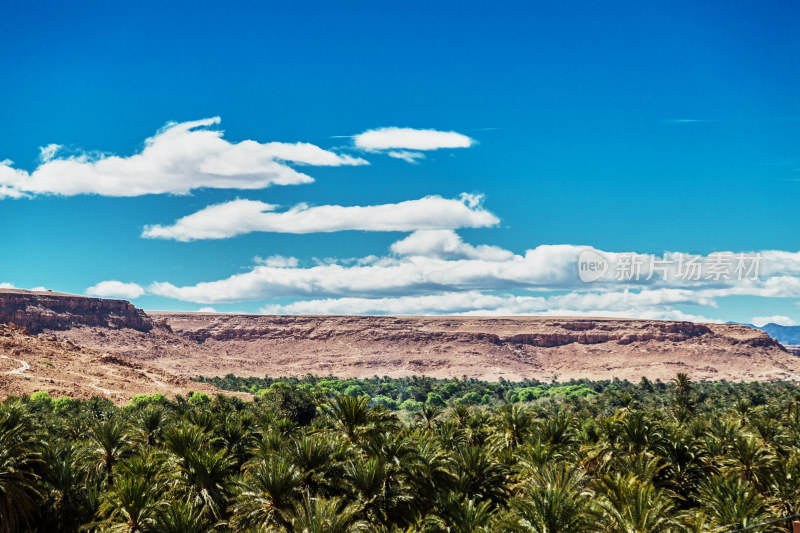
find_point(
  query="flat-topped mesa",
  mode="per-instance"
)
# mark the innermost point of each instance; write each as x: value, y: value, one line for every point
x: 38, y: 311
x: 514, y: 348
x: 541, y: 332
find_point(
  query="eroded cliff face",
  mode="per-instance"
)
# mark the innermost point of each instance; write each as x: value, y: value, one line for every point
x: 39, y: 311
x: 478, y: 347
x: 532, y: 331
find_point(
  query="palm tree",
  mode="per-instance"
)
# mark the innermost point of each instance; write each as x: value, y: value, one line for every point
x: 179, y: 517
x: 68, y: 500
x: 457, y: 515
x: 732, y: 502
x: 19, y: 492
x: 639, y: 433
x: 428, y: 414
x: 556, y: 500
x: 204, y: 480
x: 686, y: 465
x: 267, y: 488
x: 149, y: 425
x: 751, y: 460
x: 629, y: 505
x: 513, y: 423
x: 318, y: 515
x: 235, y: 437
x: 349, y: 413
x: 379, y: 488
x: 111, y: 445
x: 558, y: 430
x: 185, y: 439
x: 319, y: 458
x: 480, y: 477
x: 128, y: 506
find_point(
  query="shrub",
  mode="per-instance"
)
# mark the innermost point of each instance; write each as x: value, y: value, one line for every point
x: 385, y: 401
x: 411, y: 405
x: 435, y: 399
x: 330, y: 384
x: 199, y: 398
x: 354, y: 390
x: 63, y: 404
x: 470, y: 398
x: 143, y: 400
x: 528, y: 394
x: 42, y: 398
x: 449, y: 389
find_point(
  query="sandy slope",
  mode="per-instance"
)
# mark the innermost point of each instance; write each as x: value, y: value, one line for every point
x: 30, y: 363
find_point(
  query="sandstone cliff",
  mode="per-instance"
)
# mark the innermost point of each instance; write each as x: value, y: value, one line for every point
x: 531, y: 331
x: 488, y: 348
x: 38, y: 311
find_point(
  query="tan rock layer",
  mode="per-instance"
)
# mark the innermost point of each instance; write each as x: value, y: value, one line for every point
x: 38, y: 311
x: 532, y: 331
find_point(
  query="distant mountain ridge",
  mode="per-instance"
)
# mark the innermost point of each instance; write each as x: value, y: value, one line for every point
x: 786, y: 335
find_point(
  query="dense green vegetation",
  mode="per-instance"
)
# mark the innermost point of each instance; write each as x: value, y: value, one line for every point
x: 306, y: 455
x: 411, y: 393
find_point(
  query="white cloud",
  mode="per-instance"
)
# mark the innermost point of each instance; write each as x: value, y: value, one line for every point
x: 244, y: 216
x: 781, y: 320
x: 407, y: 156
x: 206, y: 310
x: 179, y: 158
x: 116, y: 289
x: 277, y: 261
x: 447, y: 244
x: 7, y: 286
x: 433, y: 272
x: 622, y: 305
x: 546, y: 267
x: 46, y: 153
x: 408, y: 143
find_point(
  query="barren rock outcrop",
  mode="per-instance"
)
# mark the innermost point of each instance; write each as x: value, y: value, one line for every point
x: 38, y: 311
x: 488, y: 348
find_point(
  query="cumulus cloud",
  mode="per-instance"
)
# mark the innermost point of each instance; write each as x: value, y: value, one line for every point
x: 447, y: 244
x: 116, y: 289
x: 408, y: 143
x: 436, y: 272
x: 544, y: 267
x: 647, y: 304
x: 179, y: 158
x: 5, y: 285
x: 780, y: 320
x: 245, y: 216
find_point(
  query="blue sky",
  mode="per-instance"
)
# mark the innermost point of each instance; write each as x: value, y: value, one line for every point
x: 644, y: 127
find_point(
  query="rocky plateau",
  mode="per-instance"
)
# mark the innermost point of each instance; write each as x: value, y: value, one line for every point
x: 185, y: 345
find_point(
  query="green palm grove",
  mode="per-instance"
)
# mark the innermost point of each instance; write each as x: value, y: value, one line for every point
x: 646, y: 457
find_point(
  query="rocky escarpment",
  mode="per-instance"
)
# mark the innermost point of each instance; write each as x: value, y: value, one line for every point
x: 38, y: 311
x: 533, y: 331
x: 478, y: 347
